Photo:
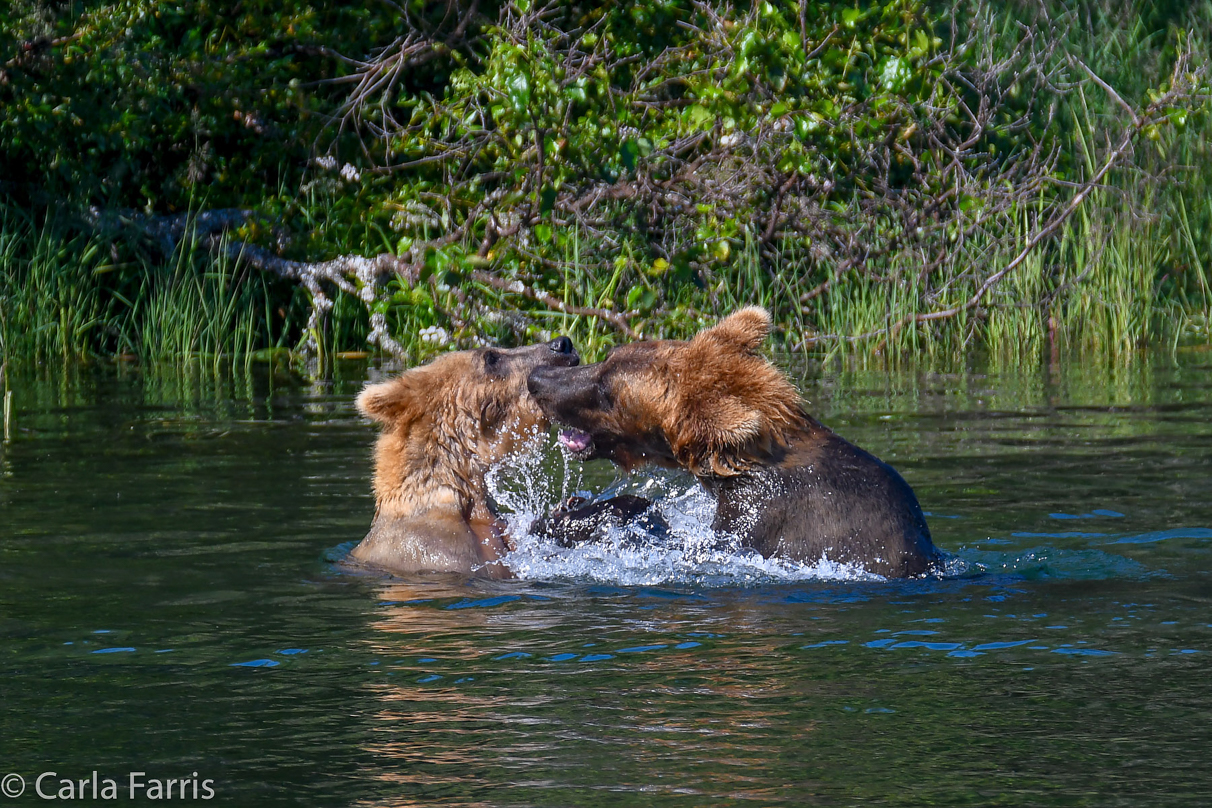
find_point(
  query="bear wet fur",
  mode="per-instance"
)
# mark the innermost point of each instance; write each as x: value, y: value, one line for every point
x: 578, y: 521
x: 785, y: 485
x: 444, y: 425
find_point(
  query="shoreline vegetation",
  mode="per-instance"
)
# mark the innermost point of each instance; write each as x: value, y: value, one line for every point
x: 905, y: 179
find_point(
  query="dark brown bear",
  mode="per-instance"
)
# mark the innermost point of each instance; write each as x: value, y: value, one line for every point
x: 787, y: 486
x: 444, y: 425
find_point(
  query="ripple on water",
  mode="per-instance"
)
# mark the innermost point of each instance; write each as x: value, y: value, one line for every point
x: 483, y: 603
x: 997, y: 646
x: 1051, y: 562
x: 1163, y: 535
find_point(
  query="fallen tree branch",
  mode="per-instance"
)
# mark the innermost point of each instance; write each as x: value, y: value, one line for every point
x: 616, y: 319
x: 356, y: 275
x: 1116, y: 97
x: 35, y: 47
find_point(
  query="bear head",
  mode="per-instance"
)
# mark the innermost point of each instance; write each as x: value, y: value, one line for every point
x: 713, y: 404
x: 446, y: 422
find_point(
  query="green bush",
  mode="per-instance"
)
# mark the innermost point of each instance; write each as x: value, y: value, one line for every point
x: 848, y: 165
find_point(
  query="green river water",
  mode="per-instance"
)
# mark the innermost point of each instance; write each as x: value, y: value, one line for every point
x: 173, y: 602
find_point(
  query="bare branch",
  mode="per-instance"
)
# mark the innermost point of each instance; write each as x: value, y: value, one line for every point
x: 1109, y: 90
x: 1182, y: 83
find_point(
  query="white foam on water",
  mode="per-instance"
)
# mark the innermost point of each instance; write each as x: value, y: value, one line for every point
x: 525, y: 488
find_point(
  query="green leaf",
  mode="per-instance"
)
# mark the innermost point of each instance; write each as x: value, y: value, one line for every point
x: 921, y: 45
x: 894, y: 73
x: 629, y: 153
x: 698, y: 116
x: 518, y: 88
x: 633, y: 297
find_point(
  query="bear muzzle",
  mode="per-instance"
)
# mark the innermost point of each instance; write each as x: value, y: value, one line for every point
x: 566, y: 395
x: 577, y: 443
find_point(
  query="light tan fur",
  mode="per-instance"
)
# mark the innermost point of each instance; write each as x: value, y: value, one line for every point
x: 733, y: 405
x: 444, y: 425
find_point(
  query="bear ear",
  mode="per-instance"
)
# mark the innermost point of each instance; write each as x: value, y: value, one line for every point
x: 715, y: 441
x: 400, y: 400
x: 745, y: 329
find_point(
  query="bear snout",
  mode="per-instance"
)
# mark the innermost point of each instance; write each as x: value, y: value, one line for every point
x: 562, y: 393
x: 563, y: 345
x: 540, y: 381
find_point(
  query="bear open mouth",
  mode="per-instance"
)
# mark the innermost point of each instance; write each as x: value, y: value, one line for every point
x: 576, y: 442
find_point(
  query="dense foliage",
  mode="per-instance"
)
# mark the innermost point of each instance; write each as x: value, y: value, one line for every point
x: 846, y: 164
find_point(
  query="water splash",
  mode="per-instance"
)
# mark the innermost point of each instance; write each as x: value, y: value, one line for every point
x: 528, y: 486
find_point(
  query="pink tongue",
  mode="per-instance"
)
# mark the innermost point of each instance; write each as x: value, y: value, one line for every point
x: 574, y: 441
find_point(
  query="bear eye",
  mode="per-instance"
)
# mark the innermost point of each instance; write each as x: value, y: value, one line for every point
x: 491, y: 360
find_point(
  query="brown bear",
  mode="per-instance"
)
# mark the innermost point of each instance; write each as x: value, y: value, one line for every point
x: 444, y: 425
x: 786, y: 486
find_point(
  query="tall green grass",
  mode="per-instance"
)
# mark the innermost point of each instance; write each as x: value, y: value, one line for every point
x: 66, y: 297
x: 1097, y: 289
x: 51, y: 306
x: 1128, y: 269
x: 210, y: 311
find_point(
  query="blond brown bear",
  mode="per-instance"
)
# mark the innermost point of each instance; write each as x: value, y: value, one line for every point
x: 444, y: 425
x: 785, y: 485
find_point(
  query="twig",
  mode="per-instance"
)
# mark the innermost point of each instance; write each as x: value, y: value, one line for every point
x: 619, y: 321
x: 816, y: 291
x: 815, y: 52
x: 1107, y: 87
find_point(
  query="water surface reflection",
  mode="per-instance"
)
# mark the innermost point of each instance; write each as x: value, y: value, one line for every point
x: 184, y: 528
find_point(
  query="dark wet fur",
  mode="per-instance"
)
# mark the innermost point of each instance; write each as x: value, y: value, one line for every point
x: 786, y: 486
x: 827, y: 498
x: 579, y: 521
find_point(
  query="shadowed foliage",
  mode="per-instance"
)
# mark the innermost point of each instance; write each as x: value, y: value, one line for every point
x: 902, y: 177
